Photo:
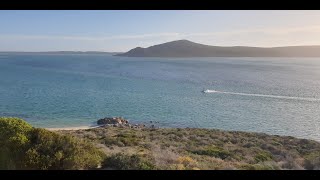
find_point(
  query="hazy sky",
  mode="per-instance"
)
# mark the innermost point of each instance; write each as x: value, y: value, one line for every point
x: 123, y: 30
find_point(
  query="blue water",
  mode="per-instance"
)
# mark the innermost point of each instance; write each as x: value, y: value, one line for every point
x: 272, y: 95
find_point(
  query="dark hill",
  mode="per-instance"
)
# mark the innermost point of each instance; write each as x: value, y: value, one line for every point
x: 185, y: 48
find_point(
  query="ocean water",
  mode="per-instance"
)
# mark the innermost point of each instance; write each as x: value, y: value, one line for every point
x: 271, y: 95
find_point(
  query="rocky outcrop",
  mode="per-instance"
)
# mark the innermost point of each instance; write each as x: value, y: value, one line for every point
x: 112, y: 120
x: 121, y: 122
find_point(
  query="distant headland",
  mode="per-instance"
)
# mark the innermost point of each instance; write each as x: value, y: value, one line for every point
x: 185, y: 48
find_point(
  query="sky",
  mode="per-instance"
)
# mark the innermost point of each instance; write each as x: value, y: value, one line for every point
x: 120, y: 30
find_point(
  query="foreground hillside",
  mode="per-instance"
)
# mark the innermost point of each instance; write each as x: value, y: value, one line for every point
x: 144, y: 148
x: 150, y: 148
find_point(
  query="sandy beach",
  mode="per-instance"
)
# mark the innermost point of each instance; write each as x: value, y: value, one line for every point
x: 72, y: 128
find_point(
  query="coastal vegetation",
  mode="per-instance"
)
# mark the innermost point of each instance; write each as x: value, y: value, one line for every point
x: 126, y: 147
x: 194, y: 148
x: 25, y: 147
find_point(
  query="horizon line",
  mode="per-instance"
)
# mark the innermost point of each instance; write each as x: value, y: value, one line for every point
x: 102, y: 51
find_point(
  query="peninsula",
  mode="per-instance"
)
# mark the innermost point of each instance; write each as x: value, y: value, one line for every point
x: 185, y: 48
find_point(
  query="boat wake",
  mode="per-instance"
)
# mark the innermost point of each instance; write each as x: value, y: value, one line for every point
x: 262, y: 95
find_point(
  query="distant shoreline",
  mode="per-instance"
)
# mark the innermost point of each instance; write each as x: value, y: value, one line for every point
x: 58, y: 52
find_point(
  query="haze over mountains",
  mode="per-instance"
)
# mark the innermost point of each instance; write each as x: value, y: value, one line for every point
x: 185, y: 48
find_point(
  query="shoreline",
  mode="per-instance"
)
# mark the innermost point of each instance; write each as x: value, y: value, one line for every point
x: 73, y: 128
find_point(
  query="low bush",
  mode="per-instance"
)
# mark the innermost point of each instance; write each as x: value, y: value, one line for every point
x: 213, y: 151
x: 312, y: 161
x: 25, y: 147
x: 122, y: 161
x: 263, y: 156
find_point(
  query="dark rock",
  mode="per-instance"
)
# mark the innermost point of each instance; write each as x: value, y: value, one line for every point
x: 150, y: 121
x: 113, y: 120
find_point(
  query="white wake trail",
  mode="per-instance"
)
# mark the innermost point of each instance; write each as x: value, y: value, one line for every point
x: 263, y: 95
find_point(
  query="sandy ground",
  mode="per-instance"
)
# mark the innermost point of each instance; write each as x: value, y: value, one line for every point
x: 72, y: 128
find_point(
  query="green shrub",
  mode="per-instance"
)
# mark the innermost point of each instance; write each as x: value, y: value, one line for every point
x: 312, y: 161
x: 128, y: 162
x: 109, y: 141
x: 24, y: 147
x: 247, y: 167
x: 213, y: 151
x: 128, y: 139
x: 263, y: 156
x: 258, y: 167
x: 14, y: 141
x: 53, y: 151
